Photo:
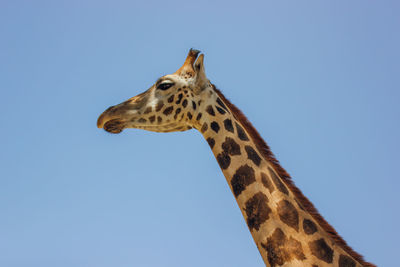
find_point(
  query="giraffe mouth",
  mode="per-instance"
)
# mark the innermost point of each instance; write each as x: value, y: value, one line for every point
x: 114, y: 126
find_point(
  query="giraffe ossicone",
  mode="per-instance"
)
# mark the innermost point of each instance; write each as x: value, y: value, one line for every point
x: 285, y: 226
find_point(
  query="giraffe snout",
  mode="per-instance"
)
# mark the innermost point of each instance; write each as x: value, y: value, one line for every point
x: 116, y: 118
x: 110, y: 121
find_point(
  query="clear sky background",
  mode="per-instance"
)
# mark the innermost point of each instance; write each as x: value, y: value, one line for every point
x: 318, y: 79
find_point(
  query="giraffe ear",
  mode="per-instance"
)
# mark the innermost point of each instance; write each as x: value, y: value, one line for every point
x: 201, y: 78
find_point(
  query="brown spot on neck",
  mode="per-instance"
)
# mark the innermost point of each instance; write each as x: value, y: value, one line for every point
x: 228, y: 125
x: 309, y: 227
x: 267, y: 182
x: 210, y: 110
x: 243, y: 177
x: 288, y: 214
x: 231, y: 147
x: 241, y: 133
x: 320, y: 249
x: 281, y: 249
x: 211, y: 142
x: 257, y: 211
x: 215, y: 126
x: 281, y: 187
x: 253, y: 155
x: 220, y: 110
x: 224, y: 160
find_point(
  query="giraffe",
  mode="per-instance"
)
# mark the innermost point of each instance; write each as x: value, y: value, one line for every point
x: 284, y: 224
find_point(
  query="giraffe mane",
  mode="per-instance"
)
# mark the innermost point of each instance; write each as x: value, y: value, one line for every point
x: 305, y: 203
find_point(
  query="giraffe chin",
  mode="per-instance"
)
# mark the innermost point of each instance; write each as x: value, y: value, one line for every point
x: 114, y: 126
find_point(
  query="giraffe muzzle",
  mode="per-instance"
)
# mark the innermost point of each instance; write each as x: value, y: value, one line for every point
x: 110, y: 121
x: 121, y: 116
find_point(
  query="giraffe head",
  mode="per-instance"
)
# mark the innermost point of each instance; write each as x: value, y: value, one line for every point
x: 169, y: 105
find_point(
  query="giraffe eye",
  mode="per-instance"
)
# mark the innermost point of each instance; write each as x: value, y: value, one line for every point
x: 164, y: 86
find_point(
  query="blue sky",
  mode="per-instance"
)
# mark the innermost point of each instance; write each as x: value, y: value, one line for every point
x: 318, y: 79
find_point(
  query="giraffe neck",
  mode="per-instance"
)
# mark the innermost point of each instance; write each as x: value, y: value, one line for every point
x: 282, y: 229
